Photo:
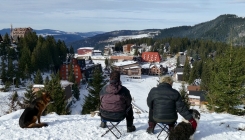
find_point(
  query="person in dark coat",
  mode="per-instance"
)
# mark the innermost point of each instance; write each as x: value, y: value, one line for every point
x: 116, y: 102
x: 164, y: 102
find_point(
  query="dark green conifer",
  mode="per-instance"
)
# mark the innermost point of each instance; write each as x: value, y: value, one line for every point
x: 92, y: 100
x: 60, y: 105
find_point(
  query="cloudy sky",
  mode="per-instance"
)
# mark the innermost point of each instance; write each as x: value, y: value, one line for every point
x: 110, y: 15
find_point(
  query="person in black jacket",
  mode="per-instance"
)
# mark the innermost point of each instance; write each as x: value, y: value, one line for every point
x: 164, y: 102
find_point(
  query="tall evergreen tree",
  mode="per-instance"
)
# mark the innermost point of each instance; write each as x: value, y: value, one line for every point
x: 25, y: 61
x: 29, y: 97
x: 177, y: 62
x: 227, y: 88
x: 10, y: 71
x: 193, y: 74
x: 92, y: 100
x: 26, y: 73
x: 71, y: 50
x: 3, y: 70
x: 38, y: 79
x: 184, y: 95
x: 75, y: 91
x: 14, y: 102
x: 187, y: 70
x: 46, y: 80
x: 6, y: 39
x: 60, y: 105
x: 106, y: 63
x: 71, y: 75
x: 206, y: 74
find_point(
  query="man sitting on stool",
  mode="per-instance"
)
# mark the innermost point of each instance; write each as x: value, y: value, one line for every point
x: 116, y: 102
x: 164, y: 102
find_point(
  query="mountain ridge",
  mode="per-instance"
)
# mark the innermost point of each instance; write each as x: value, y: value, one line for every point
x: 224, y: 28
x: 58, y: 34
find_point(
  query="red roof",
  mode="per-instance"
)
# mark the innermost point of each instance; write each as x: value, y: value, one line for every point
x: 151, y: 57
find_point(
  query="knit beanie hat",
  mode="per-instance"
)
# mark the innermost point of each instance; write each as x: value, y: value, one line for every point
x: 115, y: 77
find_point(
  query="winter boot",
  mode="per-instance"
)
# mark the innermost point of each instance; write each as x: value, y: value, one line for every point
x: 103, y: 124
x: 151, y: 127
x: 130, y: 126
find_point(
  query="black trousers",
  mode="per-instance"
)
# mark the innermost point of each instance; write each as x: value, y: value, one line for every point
x: 152, y: 120
x: 151, y: 116
x: 130, y: 116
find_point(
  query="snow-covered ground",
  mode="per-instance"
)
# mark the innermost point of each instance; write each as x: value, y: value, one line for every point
x: 212, y: 126
x: 84, y: 127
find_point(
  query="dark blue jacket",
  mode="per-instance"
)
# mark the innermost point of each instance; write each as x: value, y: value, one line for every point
x: 165, y: 103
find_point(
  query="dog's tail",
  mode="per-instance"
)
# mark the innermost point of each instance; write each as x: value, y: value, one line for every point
x: 37, y: 125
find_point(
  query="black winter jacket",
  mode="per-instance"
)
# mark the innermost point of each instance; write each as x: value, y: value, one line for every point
x: 165, y: 103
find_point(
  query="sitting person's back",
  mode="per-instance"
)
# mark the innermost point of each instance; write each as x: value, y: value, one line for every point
x: 115, y: 102
x: 164, y: 102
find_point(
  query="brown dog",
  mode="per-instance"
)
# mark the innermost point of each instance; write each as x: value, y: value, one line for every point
x: 33, y: 113
x: 184, y: 130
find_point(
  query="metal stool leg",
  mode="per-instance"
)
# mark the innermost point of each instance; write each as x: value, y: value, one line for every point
x: 110, y: 129
x: 164, y: 127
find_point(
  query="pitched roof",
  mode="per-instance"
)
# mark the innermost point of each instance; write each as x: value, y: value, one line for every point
x: 179, y: 69
x: 193, y: 88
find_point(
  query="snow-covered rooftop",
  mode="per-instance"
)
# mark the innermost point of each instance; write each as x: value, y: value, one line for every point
x: 124, y: 63
x: 89, y: 48
x: 194, y: 97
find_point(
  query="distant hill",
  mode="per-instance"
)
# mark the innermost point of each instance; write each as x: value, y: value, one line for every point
x: 223, y: 29
x: 100, y: 40
x: 62, y: 35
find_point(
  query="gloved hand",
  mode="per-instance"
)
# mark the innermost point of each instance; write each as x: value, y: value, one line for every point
x: 193, y: 123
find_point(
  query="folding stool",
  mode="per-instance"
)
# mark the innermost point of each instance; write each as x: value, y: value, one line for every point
x: 114, y: 124
x: 164, y: 127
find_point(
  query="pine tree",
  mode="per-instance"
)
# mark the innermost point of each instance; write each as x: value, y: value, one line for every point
x: 136, y: 51
x: 92, y: 100
x: 60, y: 105
x: 177, y: 62
x: 29, y: 96
x: 193, y: 74
x: 46, y: 80
x: 10, y: 71
x: 106, y: 63
x: 184, y: 95
x: 14, y: 102
x: 71, y: 50
x: 187, y: 70
x: 71, y: 75
x: 38, y: 79
x: 206, y: 75
x: 227, y: 89
x: 75, y: 91
x: 25, y: 61
x: 3, y: 70
x: 26, y: 73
